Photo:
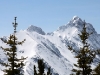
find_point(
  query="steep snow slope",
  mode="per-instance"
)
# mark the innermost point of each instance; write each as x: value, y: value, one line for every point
x: 52, y: 47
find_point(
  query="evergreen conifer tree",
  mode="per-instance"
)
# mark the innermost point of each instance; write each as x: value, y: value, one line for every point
x: 97, y: 70
x: 14, y: 65
x: 41, y: 66
x: 49, y: 73
x: 85, y: 56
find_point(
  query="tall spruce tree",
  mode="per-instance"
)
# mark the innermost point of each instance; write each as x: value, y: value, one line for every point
x: 85, y: 56
x: 14, y: 65
x: 41, y: 67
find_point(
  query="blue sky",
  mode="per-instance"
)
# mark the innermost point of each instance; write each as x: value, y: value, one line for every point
x: 47, y: 14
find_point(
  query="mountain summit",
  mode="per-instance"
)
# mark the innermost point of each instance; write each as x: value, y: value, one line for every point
x: 76, y: 18
x: 76, y: 23
x: 33, y: 28
x: 52, y: 48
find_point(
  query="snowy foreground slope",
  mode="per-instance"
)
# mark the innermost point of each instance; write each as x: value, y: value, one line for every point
x: 52, y: 47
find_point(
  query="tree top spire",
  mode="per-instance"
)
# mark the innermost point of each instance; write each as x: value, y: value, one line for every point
x: 15, y: 24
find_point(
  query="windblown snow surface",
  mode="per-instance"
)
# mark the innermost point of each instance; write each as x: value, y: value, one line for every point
x: 52, y: 47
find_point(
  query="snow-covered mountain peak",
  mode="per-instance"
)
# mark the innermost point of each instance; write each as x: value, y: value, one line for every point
x: 33, y: 28
x: 75, y: 23
x: 74, y: 27
x: 76, y: 18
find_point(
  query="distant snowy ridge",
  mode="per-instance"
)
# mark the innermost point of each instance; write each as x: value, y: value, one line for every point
x: 36, y: 29
x: 52, y: 47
